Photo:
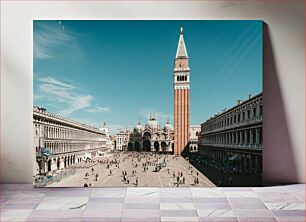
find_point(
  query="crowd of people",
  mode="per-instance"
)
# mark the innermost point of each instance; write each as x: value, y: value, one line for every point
x: 140, y: 162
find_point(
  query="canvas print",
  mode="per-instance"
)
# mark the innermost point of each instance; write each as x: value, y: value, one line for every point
x: 147, y: 103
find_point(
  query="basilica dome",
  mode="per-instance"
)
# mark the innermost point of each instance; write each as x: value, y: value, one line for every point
x: 152, y: 123
x: 168, y: 126
x: 139, y: 127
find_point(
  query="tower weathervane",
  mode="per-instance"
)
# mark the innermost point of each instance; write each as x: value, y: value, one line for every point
x: 181, y: 30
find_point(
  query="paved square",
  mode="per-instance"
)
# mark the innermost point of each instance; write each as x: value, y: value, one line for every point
x: 138, y: 166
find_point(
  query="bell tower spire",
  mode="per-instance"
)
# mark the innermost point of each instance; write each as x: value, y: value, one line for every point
x: 181, y: 75
x: 181, y: 51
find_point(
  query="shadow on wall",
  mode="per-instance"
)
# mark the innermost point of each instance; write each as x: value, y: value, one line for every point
x: 278, y: 160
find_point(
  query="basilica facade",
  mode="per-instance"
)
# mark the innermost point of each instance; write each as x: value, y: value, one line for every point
x: 152, y: 137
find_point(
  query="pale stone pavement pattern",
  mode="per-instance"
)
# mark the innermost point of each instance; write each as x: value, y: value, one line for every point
x: 145, y: 179
x: 22, y: 202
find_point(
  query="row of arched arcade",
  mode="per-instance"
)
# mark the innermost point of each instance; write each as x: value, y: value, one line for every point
x: 150, y: 146
x: 60, y: 162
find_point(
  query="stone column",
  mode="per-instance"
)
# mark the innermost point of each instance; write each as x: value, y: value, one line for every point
x: 256, y: 164
x: 257, y: 136
x: 62, y: 164
x: 250, y: 163
x: 242, y: 162
x: 236, y: 137
x: 53, y: 165
x: 260, y: 136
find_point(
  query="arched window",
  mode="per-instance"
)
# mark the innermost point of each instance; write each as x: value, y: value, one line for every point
x: 177, y: 78
x: 185, y: 78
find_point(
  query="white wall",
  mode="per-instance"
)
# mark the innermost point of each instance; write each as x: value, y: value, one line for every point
x: 284, y: 86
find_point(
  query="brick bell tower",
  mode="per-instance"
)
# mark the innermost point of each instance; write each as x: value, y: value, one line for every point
x: 181, y: 77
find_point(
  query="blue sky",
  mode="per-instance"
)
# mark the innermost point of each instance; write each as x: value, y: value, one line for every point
x: 119, y: 71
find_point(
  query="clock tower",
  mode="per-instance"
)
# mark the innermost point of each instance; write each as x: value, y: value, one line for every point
x: 181, y: 77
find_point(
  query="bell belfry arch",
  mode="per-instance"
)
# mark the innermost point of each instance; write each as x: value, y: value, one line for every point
x: 181, y: 76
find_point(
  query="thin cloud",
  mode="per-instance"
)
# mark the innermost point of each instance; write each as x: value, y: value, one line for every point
x: 98, y: 109
x: 78, y: 103
x: 66, y: 96
x: 51, y: 80
x: 49, y: 37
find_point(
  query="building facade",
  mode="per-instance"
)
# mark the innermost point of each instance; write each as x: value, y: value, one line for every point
x: 194, y: 137
x: 236, y: 135
x: 60, y: 142
x: 122, y: 139
x: 152, y: 137
x: 181, y: 77
x: 109, y: 141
